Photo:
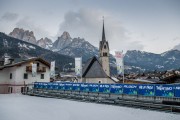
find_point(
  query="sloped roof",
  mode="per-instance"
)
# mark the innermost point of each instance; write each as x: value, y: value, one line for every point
x: 18, y: 62
x: 93, y: 69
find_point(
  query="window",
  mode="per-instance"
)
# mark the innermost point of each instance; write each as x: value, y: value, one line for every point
x: 104, y: 46
x: 37, y: 64
x: 42, y: 76
x: 25, y: 76
x: 10, y: 76
x: 10, y: 89
x: 104, y: 54
x: 22, y: 89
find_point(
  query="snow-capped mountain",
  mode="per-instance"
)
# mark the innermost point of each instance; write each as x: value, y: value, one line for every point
x: 135, y: 61
x: 28, y: 36
x: 74, y: 47
x: 79, y: 48
x: 21, y: 49
x: 144, y: 61
x: 24, y: 35
x: 45, y: 43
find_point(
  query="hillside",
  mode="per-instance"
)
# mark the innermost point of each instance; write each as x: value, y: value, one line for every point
x: 20, y: 49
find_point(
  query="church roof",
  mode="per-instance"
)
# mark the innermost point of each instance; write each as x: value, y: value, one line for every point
x: 93, y: 69
x: 103, y: 33
x: 101, y: 43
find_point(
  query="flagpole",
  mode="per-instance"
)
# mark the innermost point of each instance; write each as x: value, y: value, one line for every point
x: 123, y: 64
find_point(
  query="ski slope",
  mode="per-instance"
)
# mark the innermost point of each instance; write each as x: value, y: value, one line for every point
x: 22, y: 107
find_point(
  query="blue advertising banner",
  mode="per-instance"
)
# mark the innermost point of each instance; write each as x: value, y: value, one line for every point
x: 42, y: 85
x: 116, y: 88
x: 130, y: 89
x: 45, y: 85
x: 50, y: 85
x: 61, y: 86
x: 36, y: 85
x: 68, y: 86
x: 104, y: 88
x: 146, y: 90
x: 93, y: 87
x: 177, y: 90
x: 84, y: 87
x: 164, y: 90
x: 55, y: 86
x: 76, y: 86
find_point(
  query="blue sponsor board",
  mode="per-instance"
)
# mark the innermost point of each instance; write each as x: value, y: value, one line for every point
x: 68, y: 86
x: 42, y: 85
x: 61, y: 86
x: 76, y: 86
x: 130, y: 89
x: 93, y: 87
x: 177, y: 90
x: 55, y: 86
x: 84, y: 87
x: 50, y: 85
x: 104, y: 88
x: 116, y: 88
x: 146, y: 90
x: 45, y: 85
x: 36, y: 85
x: 164, y: 90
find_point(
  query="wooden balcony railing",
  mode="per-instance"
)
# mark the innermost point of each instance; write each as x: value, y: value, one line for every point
x: 39, y: 69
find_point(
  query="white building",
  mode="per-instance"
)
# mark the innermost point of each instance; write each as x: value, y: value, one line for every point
x: 17, y: 77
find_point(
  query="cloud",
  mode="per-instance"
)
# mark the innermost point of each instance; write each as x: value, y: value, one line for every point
x: 176, y: 39
x: 87, y: 23
x: 9, y: 16
x: 27, y: 24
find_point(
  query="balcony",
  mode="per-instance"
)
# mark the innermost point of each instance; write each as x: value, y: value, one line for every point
x: 39, y: 69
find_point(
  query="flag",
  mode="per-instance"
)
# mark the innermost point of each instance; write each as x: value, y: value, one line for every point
x: 52, y: 69
x: 119, y: 62
x: 34, y: 70
x: 78, y: 66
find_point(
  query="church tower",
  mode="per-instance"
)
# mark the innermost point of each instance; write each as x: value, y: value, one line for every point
x: 104, y: 52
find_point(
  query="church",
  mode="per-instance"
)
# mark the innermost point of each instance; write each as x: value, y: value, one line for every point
x: 98, y: 70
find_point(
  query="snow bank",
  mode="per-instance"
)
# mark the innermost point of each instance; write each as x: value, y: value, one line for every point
x: 21, y: 107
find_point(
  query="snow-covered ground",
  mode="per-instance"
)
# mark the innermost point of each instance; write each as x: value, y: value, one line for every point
x: 21, y: 107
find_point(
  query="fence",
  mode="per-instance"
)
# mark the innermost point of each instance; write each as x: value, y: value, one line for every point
x: 158, y: 90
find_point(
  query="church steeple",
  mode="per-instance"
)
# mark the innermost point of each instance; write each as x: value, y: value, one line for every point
x: 103, y: 32
x: 104, y: 52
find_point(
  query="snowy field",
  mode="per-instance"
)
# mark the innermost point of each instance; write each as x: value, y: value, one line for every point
x: 21, y: 107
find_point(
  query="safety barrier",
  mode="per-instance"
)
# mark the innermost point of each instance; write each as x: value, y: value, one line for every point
x: 138, y: 90
x: 147, y: 96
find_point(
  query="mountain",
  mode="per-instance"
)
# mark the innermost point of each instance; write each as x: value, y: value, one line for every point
x: 139, y: 61
x: 74, y: 47
x: 24, y: 35
x: 177, y: 47
x: 62, y: 41
x: 45, y: 43
x: 135, y: 61
x: 21, y: 49
x: 80, y: 48
x: 28, y: 36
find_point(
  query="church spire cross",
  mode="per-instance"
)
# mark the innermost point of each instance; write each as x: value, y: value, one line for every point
x: 103, y: 32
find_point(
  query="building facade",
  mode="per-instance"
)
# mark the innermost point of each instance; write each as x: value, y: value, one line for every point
x: 17, y: 77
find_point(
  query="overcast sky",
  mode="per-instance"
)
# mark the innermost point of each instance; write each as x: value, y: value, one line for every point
x: 147, y: 25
